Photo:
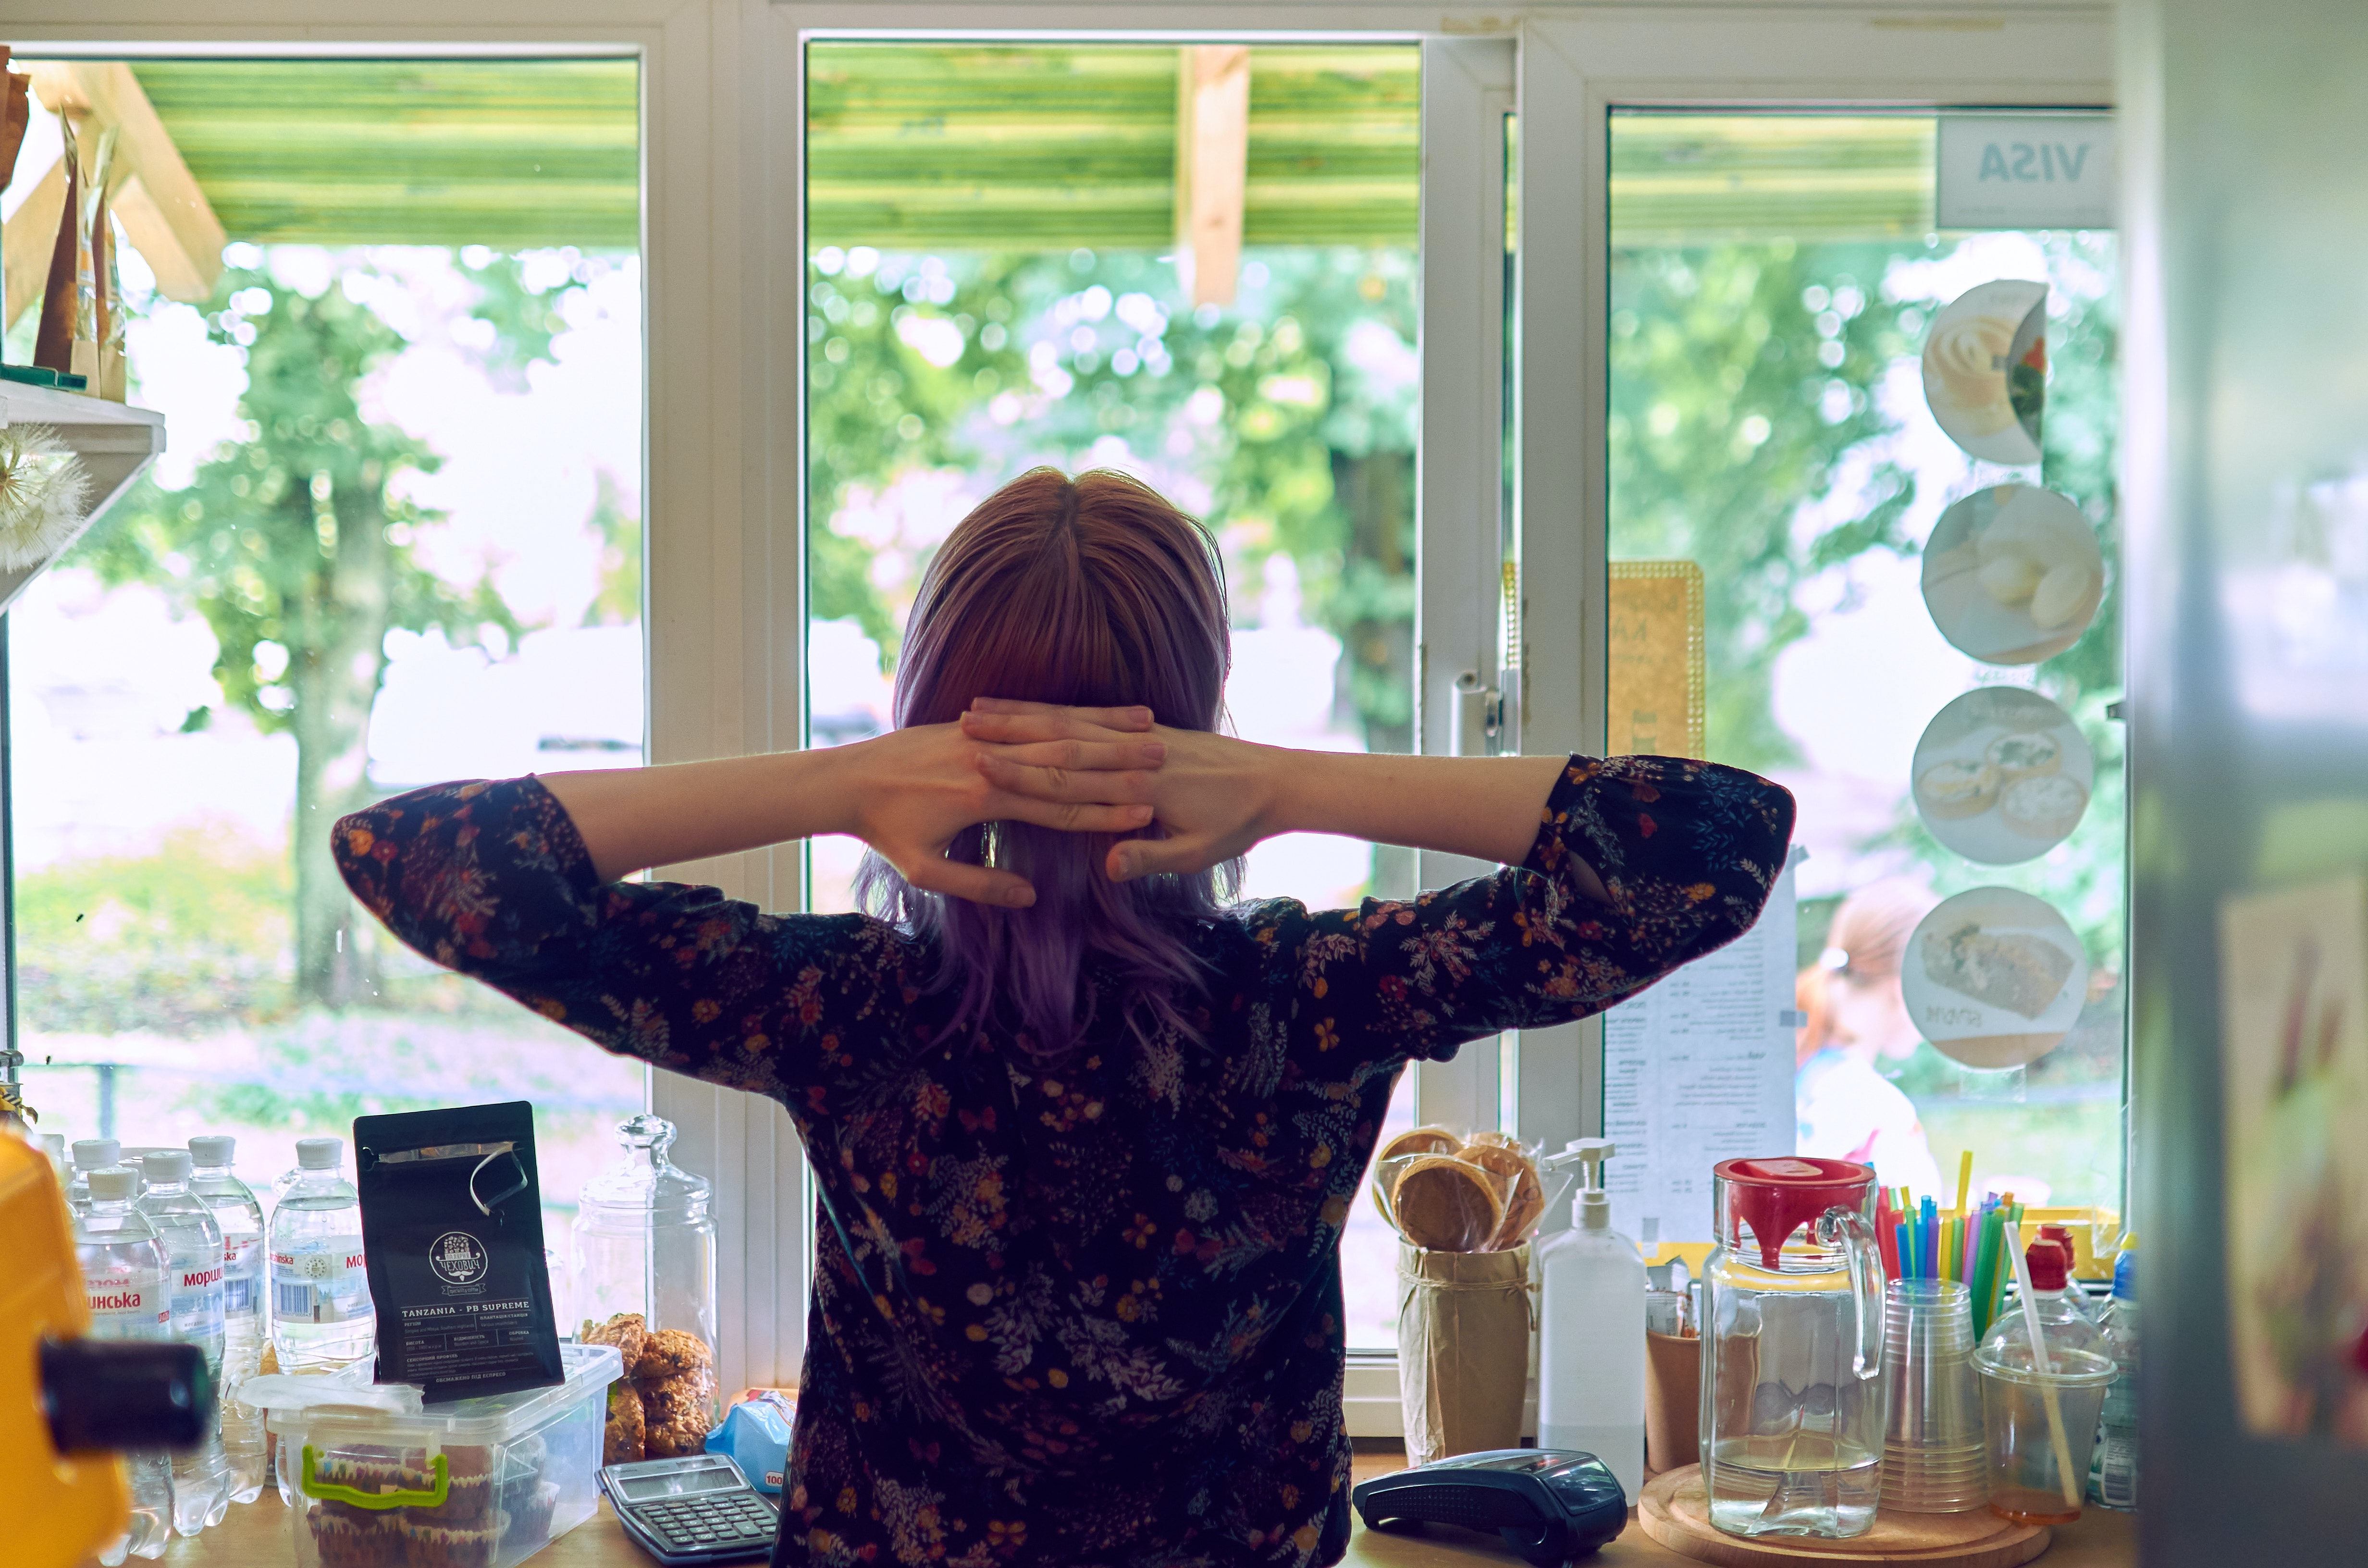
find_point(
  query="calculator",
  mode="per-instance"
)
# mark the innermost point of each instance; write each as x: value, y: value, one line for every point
x: 696, y: 1509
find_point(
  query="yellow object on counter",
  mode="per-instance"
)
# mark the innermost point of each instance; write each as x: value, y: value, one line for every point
x: 58, y: 1511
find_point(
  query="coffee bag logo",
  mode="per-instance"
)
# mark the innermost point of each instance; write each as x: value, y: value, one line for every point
x: 459, y: 1258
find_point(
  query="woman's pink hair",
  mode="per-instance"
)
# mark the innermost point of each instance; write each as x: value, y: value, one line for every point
x: 1092, y: 592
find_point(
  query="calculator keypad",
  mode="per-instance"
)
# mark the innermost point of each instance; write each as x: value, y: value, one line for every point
x: 709, y: 1523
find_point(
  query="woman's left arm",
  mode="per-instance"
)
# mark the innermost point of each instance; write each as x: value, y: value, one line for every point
x: 1625, y: 870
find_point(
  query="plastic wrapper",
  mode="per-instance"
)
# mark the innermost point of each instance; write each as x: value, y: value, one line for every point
x: 1442, y: 1191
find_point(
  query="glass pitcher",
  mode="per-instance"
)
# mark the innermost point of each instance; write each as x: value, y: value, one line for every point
x: 1791, y: 1389
x: 644, y: 1238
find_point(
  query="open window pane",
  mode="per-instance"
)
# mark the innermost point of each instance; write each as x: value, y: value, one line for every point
x: 396, y: 539
x: 995, y: 281
x: 1775, y: 280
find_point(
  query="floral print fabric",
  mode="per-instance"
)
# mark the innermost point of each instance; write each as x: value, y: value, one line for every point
x: 1088, y: 1315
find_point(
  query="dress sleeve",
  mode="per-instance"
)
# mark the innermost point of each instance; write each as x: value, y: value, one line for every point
x: 1689, y: 852
x: 492, y: 880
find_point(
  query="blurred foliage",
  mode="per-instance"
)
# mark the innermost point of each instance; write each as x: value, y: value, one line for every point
x: 618, y: 601
x: 1742, y: 376
x: 191, y: 937
x: 299, y: 547
x: 1297, y: 404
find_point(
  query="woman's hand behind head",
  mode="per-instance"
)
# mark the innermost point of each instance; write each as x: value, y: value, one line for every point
x: 1212, y: 794
x: 923, y: 785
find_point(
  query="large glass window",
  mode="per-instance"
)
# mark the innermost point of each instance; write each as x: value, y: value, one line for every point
x: 996, y: 282
x: 395, y: 539
x: 1781, y: 294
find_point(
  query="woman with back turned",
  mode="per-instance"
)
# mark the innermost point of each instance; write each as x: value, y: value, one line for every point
x: 1086, y: 1132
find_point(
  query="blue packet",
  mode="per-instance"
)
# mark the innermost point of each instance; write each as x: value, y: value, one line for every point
x: 755, y: 1432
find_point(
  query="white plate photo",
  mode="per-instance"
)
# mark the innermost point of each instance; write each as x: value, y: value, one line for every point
x: 2002, y: 775
x: 2012, y: 575
x: 1994, y: 978
x: 1986, y: 369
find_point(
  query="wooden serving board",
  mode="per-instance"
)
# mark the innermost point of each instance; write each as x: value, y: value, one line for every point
x: 1675, y: 1511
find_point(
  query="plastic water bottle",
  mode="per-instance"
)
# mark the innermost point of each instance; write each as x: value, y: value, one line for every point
x: 123, y: 1262
x: 320, y: 1312
x: 1592, y: 1330
x: 245, y: 1324
x: 2113, y: 1467
x: 93, y: 1154
x: 194, y: 1239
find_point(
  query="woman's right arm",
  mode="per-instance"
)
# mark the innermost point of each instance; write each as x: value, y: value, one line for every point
x: 515, y: 883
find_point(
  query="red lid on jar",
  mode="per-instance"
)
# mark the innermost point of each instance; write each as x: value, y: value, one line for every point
x: 2051, y: 1262
x: 1777, y: 1194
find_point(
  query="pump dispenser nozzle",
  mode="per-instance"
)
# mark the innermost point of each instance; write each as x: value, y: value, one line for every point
x: 1591, y: 1207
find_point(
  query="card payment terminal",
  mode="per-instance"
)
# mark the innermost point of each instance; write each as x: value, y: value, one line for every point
x: 693, y: 1510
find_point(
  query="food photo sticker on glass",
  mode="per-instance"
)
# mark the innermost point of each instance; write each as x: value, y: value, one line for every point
x: 2002, y: 775
x: 1985, y: 370
x: 2012, y: 575
x: 1995, y: 978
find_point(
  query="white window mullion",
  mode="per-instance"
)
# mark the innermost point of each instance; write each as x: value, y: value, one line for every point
x: 1466, y: 89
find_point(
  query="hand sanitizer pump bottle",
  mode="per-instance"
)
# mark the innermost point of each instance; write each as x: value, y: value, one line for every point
x: 1591, y: 1331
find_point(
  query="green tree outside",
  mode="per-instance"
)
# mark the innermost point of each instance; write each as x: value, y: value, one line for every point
x: 299, y: 548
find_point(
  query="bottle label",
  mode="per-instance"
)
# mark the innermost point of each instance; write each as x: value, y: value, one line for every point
x: 321, y: 1281
x: 197, y: 1298
x: 128, y: 1303
x: 242, y: 1265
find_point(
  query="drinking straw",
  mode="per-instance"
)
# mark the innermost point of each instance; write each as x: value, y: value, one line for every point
x: 2045, y: 1366
x: 1884, y: 1240
x: 1965, y: 1178
x: 1985, y: 1270
x: 1904, y: 1248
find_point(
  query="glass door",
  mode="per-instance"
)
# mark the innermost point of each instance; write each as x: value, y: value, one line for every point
x: 1862, y: 538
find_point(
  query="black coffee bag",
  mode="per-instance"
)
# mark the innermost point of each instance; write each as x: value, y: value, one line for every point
x: 452, y: 1228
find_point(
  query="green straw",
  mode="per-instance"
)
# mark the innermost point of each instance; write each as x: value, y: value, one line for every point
x: 1985, y: 1258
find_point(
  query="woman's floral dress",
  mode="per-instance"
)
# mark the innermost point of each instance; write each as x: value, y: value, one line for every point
x: 1088, y: 1317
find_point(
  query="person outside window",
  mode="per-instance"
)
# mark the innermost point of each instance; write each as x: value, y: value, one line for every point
x: 1858, y: 1019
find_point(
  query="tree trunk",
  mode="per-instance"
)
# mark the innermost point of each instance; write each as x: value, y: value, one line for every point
x: 1376, y: 493
x: 336, y: 659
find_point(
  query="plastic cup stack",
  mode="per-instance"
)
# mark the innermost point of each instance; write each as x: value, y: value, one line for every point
x: 1934, y: 1458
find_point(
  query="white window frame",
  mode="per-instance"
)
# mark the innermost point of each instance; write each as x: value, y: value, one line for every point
x: 721, y: 117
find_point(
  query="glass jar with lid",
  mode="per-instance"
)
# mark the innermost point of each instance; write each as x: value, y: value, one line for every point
x: 645, y: 1239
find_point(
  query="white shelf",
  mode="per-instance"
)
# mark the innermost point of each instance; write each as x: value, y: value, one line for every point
x: 117, y: 444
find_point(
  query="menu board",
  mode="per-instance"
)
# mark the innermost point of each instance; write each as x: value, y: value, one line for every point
x: 1697, y: 1070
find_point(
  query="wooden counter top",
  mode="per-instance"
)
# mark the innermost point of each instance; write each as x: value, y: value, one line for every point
x: 255, y: 1535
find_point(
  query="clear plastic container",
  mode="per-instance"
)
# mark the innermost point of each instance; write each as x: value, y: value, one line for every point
x: 1934, y: 1459
x: 2113, y: 1468
x: 93, y: 1154
x: 645, y: 1239
x: 474, y: 1483
x: 200, y: 1474
x: 123, y: 1264
x: 322, y: 1318
x: 2041, y: 1424
x: 246, y: 1324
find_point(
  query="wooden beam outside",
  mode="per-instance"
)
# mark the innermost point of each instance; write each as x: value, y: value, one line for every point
x: 164, y: 215
x: 32, y: 233
x: 1212, y: 145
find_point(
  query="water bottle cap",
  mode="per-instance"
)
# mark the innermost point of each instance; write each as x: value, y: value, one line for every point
x: 213, y: 1149
x: 112, y: 1184
x: 320, y: 1154
x: 91, y: 1153
x: 53, y: 1144
x: 165, y: 1164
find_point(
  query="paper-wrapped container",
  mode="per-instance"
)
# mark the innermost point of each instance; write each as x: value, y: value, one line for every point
x: 1672, y: 1402
x: 1463, y: 1349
